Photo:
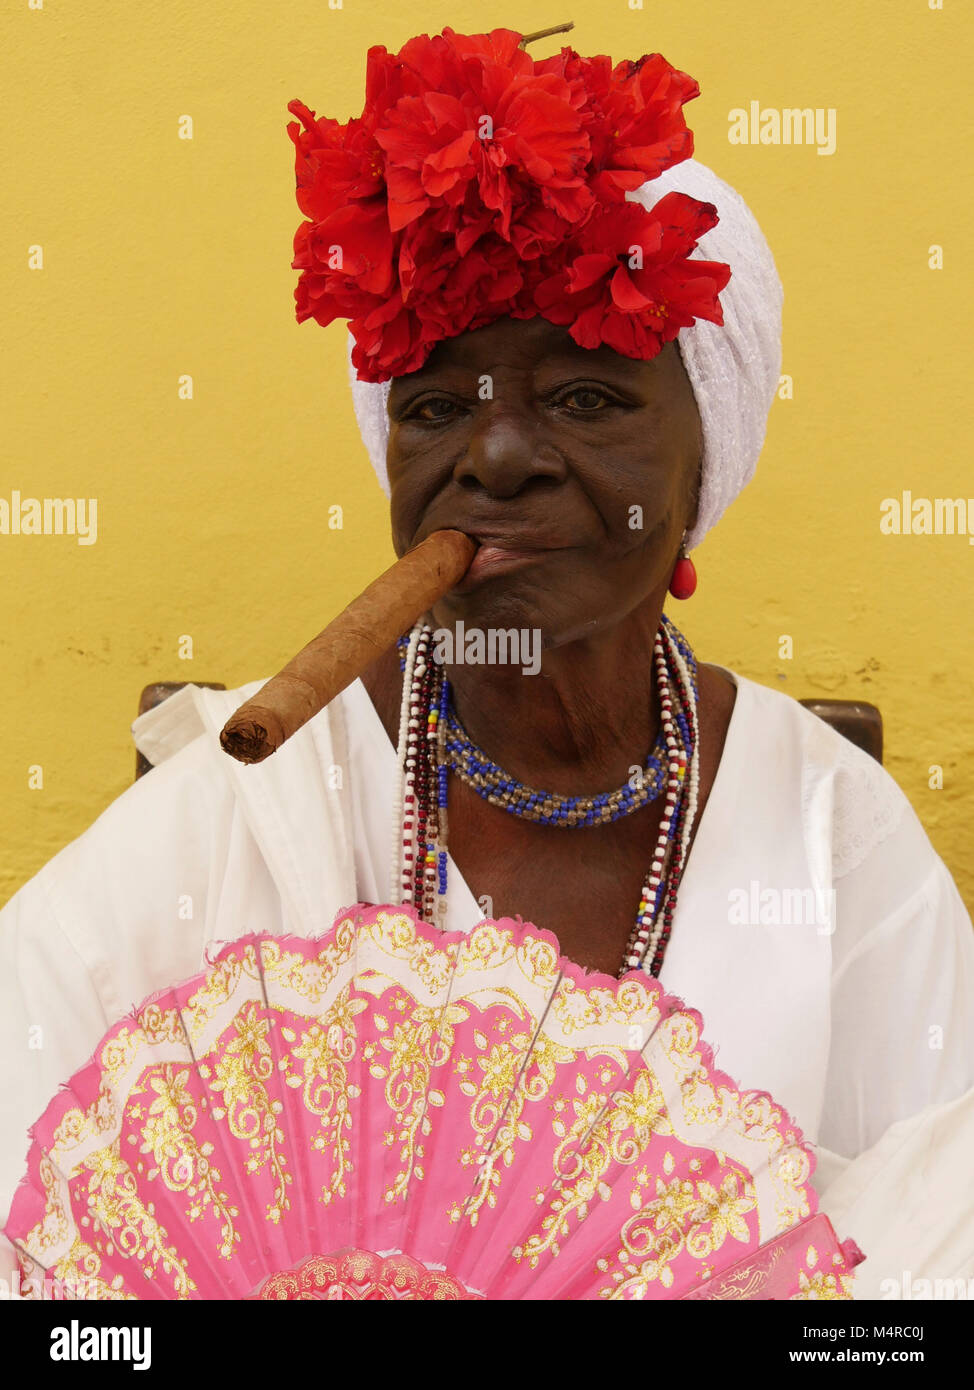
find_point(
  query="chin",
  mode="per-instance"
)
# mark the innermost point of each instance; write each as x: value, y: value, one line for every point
x: 491, y: 605
x: 509, y: 608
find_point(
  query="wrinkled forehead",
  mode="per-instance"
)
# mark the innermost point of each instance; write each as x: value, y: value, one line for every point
x: 515, y: 347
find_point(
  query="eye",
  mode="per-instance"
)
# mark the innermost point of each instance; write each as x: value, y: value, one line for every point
x: 585, y: 400
x: 433, y: 408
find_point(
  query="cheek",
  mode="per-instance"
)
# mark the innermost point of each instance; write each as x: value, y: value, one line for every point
x: 643, y: 499
x: 405, y: 516
x: 413, y: 483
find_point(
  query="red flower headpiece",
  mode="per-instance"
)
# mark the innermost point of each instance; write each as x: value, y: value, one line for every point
x: 479, y: 183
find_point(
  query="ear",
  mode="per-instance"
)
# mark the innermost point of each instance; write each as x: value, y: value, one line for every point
x: 695, y: 480
x: 694, y: 476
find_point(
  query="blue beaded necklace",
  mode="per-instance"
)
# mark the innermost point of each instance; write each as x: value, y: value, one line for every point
x: 432, y: 742
x: 490, y: 781
x: 473, y: 766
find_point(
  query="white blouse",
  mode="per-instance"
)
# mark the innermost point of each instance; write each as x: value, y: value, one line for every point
x: 816, y: 930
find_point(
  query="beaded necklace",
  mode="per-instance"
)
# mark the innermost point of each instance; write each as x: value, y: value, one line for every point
x: 473, y: 766
x: 432, y: 742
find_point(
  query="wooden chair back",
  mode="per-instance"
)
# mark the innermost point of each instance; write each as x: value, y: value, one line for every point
x: 860, y: 723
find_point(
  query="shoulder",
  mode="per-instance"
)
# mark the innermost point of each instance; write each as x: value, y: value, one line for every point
x: 130, y: 890
x: 117, y: 910
x: 848, y: 802
x: 900, y: 938
x: 135, y: 884
x: 863, y: 840
x: 180, y: 797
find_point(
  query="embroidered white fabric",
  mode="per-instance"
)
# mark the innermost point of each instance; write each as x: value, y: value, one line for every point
x: 846, y: 789
x: 868, y: 808
x: 835, y: 1025
x: 734, y: 368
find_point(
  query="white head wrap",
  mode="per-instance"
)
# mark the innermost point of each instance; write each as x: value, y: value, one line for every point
x: 734, y: 368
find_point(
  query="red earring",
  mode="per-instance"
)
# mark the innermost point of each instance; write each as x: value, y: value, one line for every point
x: 683, y: 582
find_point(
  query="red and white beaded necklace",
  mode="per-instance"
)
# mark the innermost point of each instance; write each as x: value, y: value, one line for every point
x: 419, y: 851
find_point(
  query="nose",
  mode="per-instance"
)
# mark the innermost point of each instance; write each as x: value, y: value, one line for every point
x: 506, y: 452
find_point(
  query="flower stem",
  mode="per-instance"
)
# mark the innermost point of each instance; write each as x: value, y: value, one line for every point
x: 544, y: 33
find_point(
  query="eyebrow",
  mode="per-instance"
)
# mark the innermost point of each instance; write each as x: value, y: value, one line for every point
x: 626, y: 370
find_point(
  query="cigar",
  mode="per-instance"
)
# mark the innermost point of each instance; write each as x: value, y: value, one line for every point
x: 332, y: 660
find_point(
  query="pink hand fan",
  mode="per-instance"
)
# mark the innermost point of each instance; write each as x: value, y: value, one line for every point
x: 389, y: 1111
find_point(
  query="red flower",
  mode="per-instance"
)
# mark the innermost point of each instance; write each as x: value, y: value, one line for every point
x: 633, y: 114
x: 345, y: 258
x: 479, y: 288
x: 648, y: 132
x: 388, y: 341
x: 478, y: 183
x: 333, y: 164
x: 628, y: 281
x: 493, y: 124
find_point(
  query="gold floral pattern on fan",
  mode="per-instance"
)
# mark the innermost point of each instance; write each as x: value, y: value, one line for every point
x: 359, y: 1275
x: 241, y: 1075
x: 122, y: 1221
x: 325, y: 1052
x: 474, y: 1102
x: 181, y: 1157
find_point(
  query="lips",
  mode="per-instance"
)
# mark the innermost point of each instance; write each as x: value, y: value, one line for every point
x: 491, y: 559
x: 498, y: 550
x: 499, y: 556
x: 525, y: 542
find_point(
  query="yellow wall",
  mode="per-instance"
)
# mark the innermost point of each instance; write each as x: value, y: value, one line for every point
x: 164, y: 256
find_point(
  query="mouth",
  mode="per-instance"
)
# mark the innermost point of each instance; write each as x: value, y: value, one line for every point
x: 491, y: 559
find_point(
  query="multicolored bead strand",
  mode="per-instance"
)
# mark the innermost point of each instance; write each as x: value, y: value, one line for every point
x: 480, y: 772
x: 687, y: 816
x: 404, y: 813
x: 647, y: 944
x: 433, y: 743
x: 656, y: 889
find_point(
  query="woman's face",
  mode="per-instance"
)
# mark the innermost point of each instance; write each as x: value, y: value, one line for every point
x: 585, y: 461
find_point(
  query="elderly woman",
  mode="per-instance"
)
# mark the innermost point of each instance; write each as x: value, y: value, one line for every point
x: 636, y: 803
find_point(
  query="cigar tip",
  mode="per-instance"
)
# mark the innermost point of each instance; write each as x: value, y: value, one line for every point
x: 246, y: 741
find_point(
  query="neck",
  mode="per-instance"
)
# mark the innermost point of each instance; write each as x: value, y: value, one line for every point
x: 580, y: 724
